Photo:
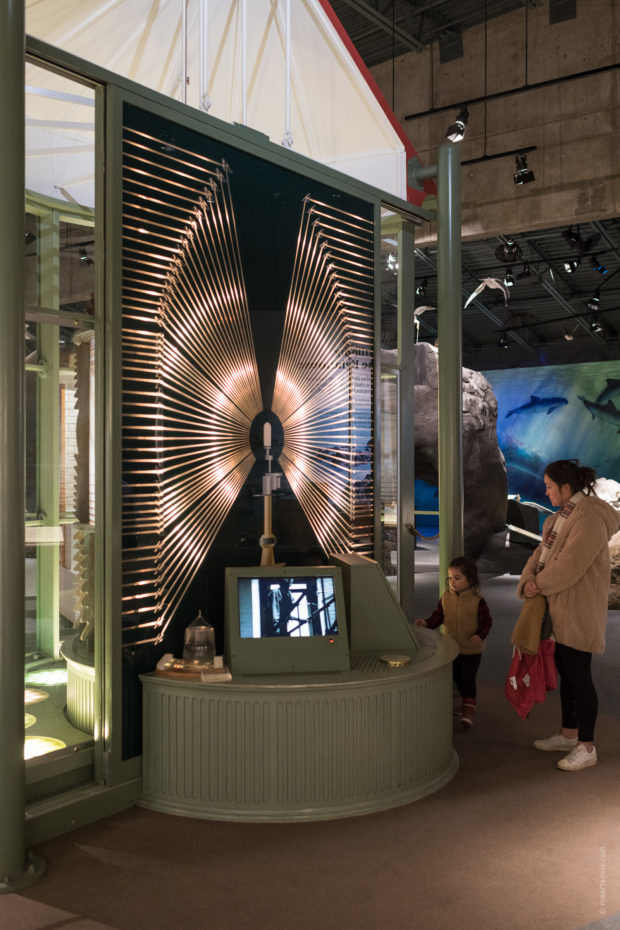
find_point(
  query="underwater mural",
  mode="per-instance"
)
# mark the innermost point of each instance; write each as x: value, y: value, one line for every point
x: 556, y: 412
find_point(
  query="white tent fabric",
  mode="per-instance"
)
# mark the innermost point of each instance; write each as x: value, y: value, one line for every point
x: 283, y: 67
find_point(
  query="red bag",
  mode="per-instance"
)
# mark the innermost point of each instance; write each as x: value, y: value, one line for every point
x: 530, y: 677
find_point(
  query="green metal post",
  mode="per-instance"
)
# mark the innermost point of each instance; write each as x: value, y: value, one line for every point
x: 449, y: 305
x: 406, y: 381
x: 15, y: 870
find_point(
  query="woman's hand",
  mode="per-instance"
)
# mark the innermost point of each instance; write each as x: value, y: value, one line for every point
x: 421, y: 623
x: 530, y: 589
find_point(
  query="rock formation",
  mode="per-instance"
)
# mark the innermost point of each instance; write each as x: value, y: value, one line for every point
x: 484, y: 468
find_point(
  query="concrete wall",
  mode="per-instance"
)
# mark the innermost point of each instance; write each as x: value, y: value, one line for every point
x: 575, y: 124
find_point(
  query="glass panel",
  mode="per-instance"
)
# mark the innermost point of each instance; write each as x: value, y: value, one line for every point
x: 389, y: 391
x: 59, y: 361
x: 60, y: 525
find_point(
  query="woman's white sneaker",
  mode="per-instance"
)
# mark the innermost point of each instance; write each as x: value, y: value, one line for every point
x: 578, y: 759
x: 555, y: 743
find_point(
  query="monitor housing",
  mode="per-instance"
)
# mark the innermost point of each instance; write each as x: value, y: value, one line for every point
x: 285, y: 620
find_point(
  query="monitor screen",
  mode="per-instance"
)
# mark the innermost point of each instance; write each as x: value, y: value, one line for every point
x: 294, y: 606
x: 283, y: 619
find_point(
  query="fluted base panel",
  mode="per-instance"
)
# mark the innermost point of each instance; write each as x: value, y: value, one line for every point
x: 309, y: 749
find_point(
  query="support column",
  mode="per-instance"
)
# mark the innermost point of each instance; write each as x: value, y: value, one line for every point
x: 16, y: 869
x: 406, y: 418
x: 449, y: 303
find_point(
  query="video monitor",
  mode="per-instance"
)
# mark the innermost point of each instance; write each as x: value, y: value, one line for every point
x: 288, y: 619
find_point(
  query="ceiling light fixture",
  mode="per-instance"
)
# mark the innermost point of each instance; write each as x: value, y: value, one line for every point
x: 593, y: 302
x: 577, y: 243
x: 503, y: 341
x: 84, y: 258
x: 421, y: 288
x: 526, y: 272
x: 571, y: 266
x: 509, y: 277
x: 597, y: 266
x: 595, y: 325
x: 456, y: 132
x: 523, y: 174
x: 508, y: 251
x: 29, y: 237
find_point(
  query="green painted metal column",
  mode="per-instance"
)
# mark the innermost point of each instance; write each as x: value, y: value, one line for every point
x: 406, y: 382
x: 449, y: 303
x: 16, y: 869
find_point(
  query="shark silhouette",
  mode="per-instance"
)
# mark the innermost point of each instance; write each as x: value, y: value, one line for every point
x: 613, y: 387
x: 607, y: 412
x: 538, y: 405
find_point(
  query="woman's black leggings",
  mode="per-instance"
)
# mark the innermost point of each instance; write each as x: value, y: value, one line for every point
x: 464, y: 670
x: 577, y: 692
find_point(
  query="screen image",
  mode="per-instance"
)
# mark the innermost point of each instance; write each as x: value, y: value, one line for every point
x: 287, y: 607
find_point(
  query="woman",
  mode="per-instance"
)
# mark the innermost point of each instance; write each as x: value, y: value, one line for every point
x: 571, y: 568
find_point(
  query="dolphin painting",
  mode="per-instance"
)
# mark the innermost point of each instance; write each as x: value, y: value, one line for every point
x: 613, y: 387
x: 607, y: 412
x: 538, y: 405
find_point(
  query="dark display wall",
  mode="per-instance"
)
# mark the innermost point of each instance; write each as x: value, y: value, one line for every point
x: 247, y: 298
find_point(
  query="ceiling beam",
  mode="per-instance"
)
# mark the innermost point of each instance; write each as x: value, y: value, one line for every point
x: 385, y: 24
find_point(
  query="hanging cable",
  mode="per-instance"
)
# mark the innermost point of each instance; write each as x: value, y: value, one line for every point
x: 244, y: 53
x: 287, y: 139
x: 205, y: 100
x: 184, y: 53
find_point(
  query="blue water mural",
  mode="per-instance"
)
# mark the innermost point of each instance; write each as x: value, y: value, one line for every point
x: 557, y: 412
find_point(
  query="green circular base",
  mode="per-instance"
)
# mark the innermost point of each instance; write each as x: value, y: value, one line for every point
x: 305, y: 747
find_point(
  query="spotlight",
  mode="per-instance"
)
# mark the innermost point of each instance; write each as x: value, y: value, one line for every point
x: 421, y: 288
x: 509, y: 277
x: 526, y: 273
x: 523, y: 174
x: 508, y: 251
x: 503, y: 341
x: 29, y: 238
x: 84, y: 258
x: 574, y: 239
x: 595, y: 325
x: 570, y: 267
x: 596, y: 265
x: 456, y: 131
x: 577, y: 243
x: 593, y: 302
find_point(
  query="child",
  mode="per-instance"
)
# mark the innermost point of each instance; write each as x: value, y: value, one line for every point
x: 467, y: 619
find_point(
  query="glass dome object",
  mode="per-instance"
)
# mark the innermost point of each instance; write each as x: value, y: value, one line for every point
x: 199, y: 646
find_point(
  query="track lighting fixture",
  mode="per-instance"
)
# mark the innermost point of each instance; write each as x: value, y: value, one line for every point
x: 85, y: 259
x: 508, y: 252
x: 509, y: 277
x: 456, y: 132
x: 503, y: 341
x: 571, y: 266
x: 29, y: 238
x: 595, y: 325
x: 421, y: 288
x: 597, y: 266
x: 577, y: 243
x: 523, y: 174
x: 593, y: 302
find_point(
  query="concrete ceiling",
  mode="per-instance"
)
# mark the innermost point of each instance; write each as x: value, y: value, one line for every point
x: 546, y: 320
x: 384, y: 29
